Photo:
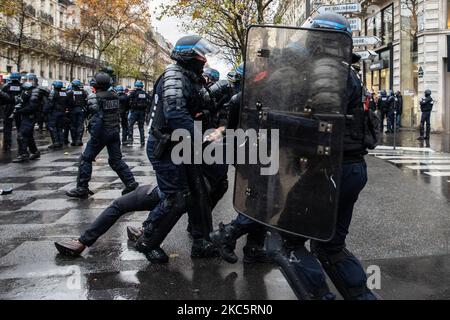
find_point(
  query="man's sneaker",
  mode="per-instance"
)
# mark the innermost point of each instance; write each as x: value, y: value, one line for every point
x: 202, y: 249
x: 130, y: 188
x: 79, y: 192
x: 72, y: 248
x: 134, y: 233
x: 35, y: 156
x: 420, y: 138
x: 21, y: 159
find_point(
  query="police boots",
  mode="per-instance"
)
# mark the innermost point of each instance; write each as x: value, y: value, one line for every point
x: 35, y: 156
x: 202, y: 249
x: 225, y: 240
x: 79, y: 192
x: 130, y: 188
x: 21, y: 158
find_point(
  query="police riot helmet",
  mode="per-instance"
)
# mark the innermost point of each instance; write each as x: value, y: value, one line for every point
x: 101, y: 81
x: 427, y: 93
x: 139, y: 84
x: 31, y: 77
x: 58, y: 84
x: 119, y: 89
x: 76, y: 83
x: 240, y: 70
x: 191, y: 48
x: 15, y: 76
x: 383, y: 93
x: 331, y: 21
x: 7, y: 79
x: 231, y: 76
x: 212, y: 74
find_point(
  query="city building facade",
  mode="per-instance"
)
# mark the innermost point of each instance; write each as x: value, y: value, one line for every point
x: 412, y: 54
x: 46, y: 51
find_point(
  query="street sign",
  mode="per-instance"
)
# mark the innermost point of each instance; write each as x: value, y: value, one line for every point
x: 355, y: 24
x: 340, y: 8
x: 365, y: 41
x: 379, y: 65
x: 365, y: 55
x: 421, y: 73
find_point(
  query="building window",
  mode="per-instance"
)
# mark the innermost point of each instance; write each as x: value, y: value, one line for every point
x: 409, y: 81
x: 382, y: 25
x: 448, y: 14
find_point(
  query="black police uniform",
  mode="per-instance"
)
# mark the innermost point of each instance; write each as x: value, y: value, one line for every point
x: 77, y: 114
x: 104, y: 127
x: 139, y: 103
x: 124, y: 111
x: 31, y: 102
x: 426, y: 106
x: 57, y: 108
x: 13, y: 90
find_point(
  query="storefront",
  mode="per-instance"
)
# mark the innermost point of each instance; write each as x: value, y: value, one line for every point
x: 378, y: 72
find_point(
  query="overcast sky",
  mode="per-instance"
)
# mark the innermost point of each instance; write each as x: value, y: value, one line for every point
x: 170, y: 29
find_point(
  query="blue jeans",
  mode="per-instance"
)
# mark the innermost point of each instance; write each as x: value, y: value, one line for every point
x: 110, y: 140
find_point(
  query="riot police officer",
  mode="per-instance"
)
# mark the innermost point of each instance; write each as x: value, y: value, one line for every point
x: 13, y: 89
x: 139, y: 103
x: 124, y: 110
x: 426, y: 107
x: 77, y: 111
x: 104, y: 126
x: 30, y: 102
x: 391, y: 112
x: 341, y: 266
x: 399, y: 109
x: 383, y: 107
x: 177, y: 102
x: 211, y: 76
x: 56, y: 110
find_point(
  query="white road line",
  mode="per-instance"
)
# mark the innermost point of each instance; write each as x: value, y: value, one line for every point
x: 443, y: 157
x: 420, y: 161
x: 429, y: 167
x: 418, y: 149
x: 438, y: 174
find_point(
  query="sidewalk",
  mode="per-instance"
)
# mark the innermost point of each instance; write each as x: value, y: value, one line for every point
x: 439, y: 142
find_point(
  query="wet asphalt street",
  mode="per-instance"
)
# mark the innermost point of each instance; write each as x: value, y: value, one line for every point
x: 401, y: 225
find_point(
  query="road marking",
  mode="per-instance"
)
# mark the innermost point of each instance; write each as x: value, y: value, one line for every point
x: 417, y: 149
x: 412, y: 161
x: 443, y: 157
x: 429, y: 167
x: 438, y: 174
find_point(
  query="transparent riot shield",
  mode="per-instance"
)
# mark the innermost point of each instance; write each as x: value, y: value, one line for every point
x: 294, y: 97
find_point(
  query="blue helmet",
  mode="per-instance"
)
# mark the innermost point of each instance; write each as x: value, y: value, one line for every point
x: 331, y: 21
x: 58, y: 84
x: 31, y: 77
x: 119, y: 89
x: 27, y: 85
x: 240, y: 70
x: 192, y: 47
x: 139, y: 84
x: 7, y: 79
x: 15, y: 76
x: 212, y: 74
x: 76, y: 83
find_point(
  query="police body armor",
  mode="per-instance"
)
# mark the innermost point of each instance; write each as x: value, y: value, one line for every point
x: 104, y: 108
x: 383, y: 103
x: 301, y: 102
x: 186, y: 85
x: 79, y: 100
x: 139, y: 100
x: 426, y: 104
x: 60, y: 100
x: 13, y: 90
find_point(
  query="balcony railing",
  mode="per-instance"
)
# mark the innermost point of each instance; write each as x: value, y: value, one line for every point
x: 29, y: 9
x: 46, y: 17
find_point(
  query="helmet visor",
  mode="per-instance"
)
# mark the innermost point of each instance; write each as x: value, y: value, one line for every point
x: 205, y: 49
